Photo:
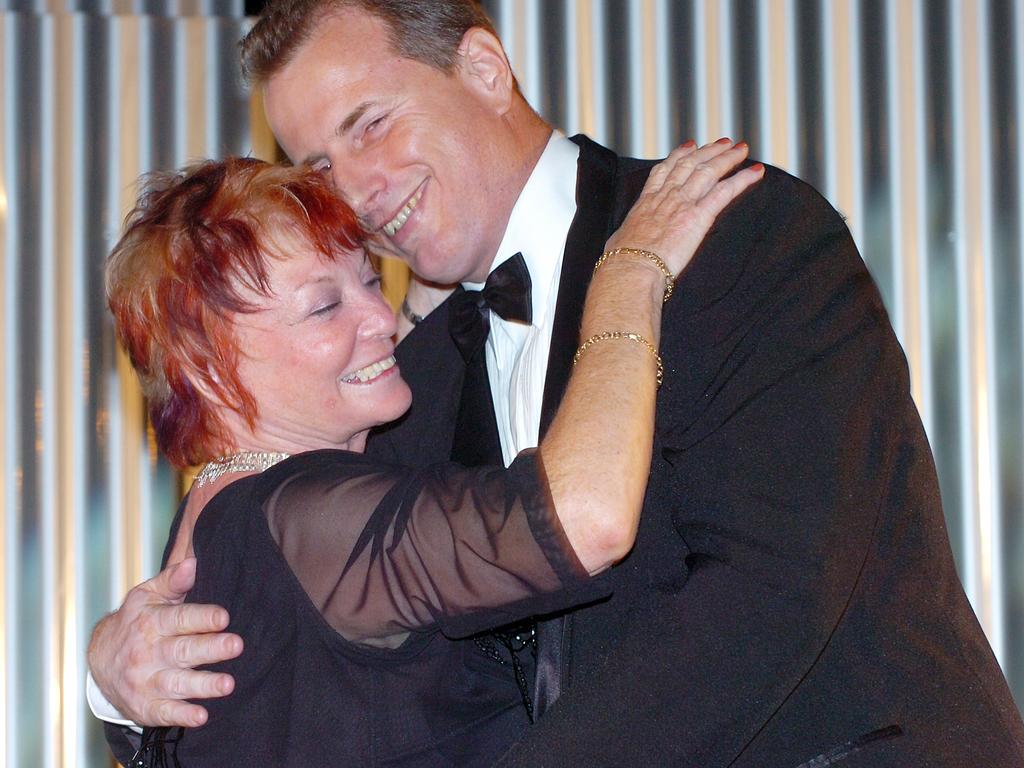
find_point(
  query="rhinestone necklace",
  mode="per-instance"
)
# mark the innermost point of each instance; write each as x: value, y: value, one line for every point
x: 246, y: 461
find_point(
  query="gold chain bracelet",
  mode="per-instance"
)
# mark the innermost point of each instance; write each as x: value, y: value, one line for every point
x: 651, y: 257
x: 622, y: 335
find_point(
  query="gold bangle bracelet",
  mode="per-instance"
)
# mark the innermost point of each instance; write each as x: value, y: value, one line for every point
x: 651, y: 257
x: 622, y: 335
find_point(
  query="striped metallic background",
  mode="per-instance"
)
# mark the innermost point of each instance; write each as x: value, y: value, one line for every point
x: 905, y: 113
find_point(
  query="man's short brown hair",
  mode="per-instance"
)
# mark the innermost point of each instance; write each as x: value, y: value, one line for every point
x: 428, y: 31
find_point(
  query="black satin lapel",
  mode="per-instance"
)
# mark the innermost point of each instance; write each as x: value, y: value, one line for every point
x: 595, y: 203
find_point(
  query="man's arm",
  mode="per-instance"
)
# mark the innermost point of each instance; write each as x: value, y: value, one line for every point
x: 142, y: 655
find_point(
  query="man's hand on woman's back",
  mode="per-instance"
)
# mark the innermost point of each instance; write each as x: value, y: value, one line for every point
x: 143, y: 654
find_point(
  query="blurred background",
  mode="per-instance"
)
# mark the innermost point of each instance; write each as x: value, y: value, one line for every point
x: 906, y: 114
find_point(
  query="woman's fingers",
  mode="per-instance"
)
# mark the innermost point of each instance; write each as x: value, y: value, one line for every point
x: 725, y: 191
x: 660, y: 172
x: 682, y: 198
x: 680, y: 189
x: 691, y: 171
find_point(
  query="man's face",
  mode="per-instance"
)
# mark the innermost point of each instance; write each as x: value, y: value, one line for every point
x: 406, y: 144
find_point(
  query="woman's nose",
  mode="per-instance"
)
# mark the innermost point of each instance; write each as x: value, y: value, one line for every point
x: 379, y: 319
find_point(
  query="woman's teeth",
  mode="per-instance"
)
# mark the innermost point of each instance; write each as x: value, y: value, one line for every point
x: 403, y: 215
x: 372, y: 371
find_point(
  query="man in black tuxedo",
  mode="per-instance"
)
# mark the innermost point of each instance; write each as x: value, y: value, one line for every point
x: 791, y: 599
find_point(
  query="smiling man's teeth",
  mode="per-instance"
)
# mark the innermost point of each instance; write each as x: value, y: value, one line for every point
x: 403, y: 215
x: 372, y: 371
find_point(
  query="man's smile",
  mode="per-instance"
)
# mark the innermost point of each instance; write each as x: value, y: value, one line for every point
x: 392, y: 227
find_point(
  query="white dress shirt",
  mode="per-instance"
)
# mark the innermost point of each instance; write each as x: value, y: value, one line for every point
x: 516, y: 353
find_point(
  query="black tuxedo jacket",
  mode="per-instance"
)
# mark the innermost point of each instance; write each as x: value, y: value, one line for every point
x: 791, y: 599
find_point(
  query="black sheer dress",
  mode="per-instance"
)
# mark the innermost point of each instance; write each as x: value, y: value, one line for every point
x: 346, y: 579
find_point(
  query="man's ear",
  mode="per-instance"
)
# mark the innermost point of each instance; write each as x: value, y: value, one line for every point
x: 482, y: 62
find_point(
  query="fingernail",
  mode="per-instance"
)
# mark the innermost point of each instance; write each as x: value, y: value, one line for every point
x: 724, y: 140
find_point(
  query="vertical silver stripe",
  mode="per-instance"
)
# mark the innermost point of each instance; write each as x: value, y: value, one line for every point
x: 790, y: 128
x: 46, y: 396
x: 727, y: 115
x: 572, y: 67
x: 144, y: 108
x: 711, y: 75
x: 665, y: 139
x: 833, y: 59
x: 966, y: 187
x: 705, y: 122
x: 599, y: 66
x: 69, y: 152
x: 8, y: 414
x: 1018, y: 43
x: 855, y: 145
x: 765, y: 104
x: 636, y: 80
x: 919, y: 203
x: 896, y: 78
x: 182, y: 98
x: 650, y: 78
x: 76, y: 633
x: 119, y: 571
x: 990, y: 500
x: 531, y: 31
x: 210, y: 75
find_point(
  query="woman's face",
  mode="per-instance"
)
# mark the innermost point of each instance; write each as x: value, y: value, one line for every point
x: 318, y: 354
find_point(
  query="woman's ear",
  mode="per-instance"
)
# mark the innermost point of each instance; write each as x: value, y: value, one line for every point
x: 485, y: 67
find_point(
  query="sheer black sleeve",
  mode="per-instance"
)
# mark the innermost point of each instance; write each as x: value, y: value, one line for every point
x: 383, y: 551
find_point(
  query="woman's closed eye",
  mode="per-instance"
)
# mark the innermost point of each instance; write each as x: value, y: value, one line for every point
x: 325, y: 309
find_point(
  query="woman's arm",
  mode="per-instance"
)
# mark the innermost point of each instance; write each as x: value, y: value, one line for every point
x: 384, y: 550
x: 597, y: 452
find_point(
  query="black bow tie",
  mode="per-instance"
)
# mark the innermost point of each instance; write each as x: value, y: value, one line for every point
x: 506, y: 293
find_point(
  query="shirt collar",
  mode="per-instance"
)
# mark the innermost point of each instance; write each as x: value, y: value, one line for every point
x: 540, y: 220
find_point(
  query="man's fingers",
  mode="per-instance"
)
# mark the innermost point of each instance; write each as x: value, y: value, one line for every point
x: 196, y: 650
x: 163, y: 712
x: 174, y: 581
x: 182, y: 576
x: 189, y: 619
x: 177, y: 684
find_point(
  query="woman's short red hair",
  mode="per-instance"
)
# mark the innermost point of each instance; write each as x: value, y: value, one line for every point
x: 196, y: 241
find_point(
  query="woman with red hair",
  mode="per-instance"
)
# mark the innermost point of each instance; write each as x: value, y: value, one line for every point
x: 246, y: 299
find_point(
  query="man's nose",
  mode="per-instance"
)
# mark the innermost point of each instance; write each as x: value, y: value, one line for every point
x: 362, y: 184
